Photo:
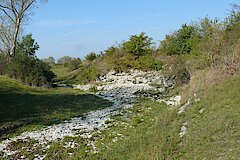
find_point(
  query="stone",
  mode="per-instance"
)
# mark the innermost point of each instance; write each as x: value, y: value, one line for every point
x: 201, y: 111
x: 120, y: 88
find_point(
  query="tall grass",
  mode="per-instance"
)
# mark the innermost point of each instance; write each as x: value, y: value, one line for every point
x: 152, y: 134
x: 214, y: 123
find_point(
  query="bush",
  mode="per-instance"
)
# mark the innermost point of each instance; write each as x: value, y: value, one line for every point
x: 138, y: 45
x: 30, y: 70
x: 88, y: 73
x: 64, y: 60
x: 27, y: 45
x: 4, y: 61
x: 124, y: 62
x: 182, y: 41
x: 50, y: 60
x: 91, y: 57
x: 74, y: 64
x: 177, y: 70
x: 148, y: 62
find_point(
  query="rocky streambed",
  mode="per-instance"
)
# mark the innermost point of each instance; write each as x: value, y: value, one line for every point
x: 122, y: 89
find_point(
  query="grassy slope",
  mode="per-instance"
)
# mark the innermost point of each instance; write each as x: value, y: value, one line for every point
x: 64, y: 75
x: 151, y: 129
x: 21, y: 105
x: 152, y: 134
x: 214, y: 134
x: 148, y: 131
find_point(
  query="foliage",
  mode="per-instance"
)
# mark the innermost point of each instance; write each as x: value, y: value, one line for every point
x: 234, y: 18
x: 124, y: 62
x: 177, y: 71
x: 205, y: 43
x: 91, y: 57
x: 12, y: 16
x: 181, y: 42
x: 207, y: 28
x: 26, y: 67
x: 116, y: 58
x: 4, y: 61
x: 88, y: 73
x: 70, y: 62
x: 148, y: 62
x: 27, y: 45
x: 30, y: 70
x: 65, y: 60
x: 50, y: 60
x: 74, y: 64
x: 138, y: 45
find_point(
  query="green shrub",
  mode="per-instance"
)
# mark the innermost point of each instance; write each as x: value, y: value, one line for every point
x: 65, y: 60
x: 4, y: 61
x: 74, y: 64
x: 91, y: 57
x: 88, y: 73
x: 138, y: 45
x: 50, y: 60
x: 148, y: 62
x: 26, y: 67
x: 27, y: 45
x: 177, y: 71
x: 124, y: 62
x: 182, y: 41
x: 30, y: 70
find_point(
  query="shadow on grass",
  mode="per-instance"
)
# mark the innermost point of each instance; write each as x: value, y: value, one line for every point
x: 23, y: 109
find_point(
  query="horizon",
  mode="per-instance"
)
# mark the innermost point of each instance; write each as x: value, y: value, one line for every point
x: 77, y: 28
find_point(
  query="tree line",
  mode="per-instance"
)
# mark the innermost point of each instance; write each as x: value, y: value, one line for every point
x: 200, y: 44
x: 209, y: 42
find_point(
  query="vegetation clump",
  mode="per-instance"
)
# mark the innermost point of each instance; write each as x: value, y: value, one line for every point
x: 25, y: 66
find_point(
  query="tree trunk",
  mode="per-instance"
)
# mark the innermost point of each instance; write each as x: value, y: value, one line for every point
x: 14, y: 44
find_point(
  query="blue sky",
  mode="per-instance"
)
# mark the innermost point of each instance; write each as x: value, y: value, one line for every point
x: 77, y: 27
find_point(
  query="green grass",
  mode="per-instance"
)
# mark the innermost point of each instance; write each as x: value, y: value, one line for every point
x: 60, y: 70
x: 214, y: 134
x: 64, y: 75
x: 148, y: 131
x: 151, y: 129
x: 23, y: 107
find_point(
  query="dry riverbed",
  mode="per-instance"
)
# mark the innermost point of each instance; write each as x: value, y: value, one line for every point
x: 123, y: 89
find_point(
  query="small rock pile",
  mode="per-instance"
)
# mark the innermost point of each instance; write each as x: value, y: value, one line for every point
x: 125, y: 87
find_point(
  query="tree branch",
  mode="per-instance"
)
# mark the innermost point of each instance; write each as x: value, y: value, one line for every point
x: 15, y: 12
x: 5, y: 7
x: 7, y: 15
x: 29, y: 5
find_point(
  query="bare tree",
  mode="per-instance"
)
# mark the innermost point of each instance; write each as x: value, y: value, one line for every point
x: 13, y: 13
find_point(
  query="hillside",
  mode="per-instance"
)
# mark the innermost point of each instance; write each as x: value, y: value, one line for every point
x: 23, y: 107
x: 206, y: 127
x: 179, y: 100
x: 213, y: 123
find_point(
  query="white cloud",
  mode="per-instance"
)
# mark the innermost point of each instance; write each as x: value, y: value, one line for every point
x: 100, y: 34
x: 52, y: 23
x: 72, y: 33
